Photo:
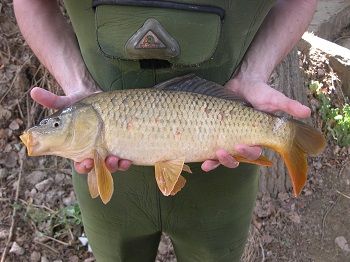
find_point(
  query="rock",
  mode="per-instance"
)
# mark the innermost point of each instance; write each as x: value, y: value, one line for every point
x: 339, y: 58
x: 330, y: 18
x: 2, y: 133
x: 3, y: 173
x: 83, y: 240
x: 320, y: 72
x: 342, y: 243
x: 14, y: 125
x: 44, y: 185
x: 35, y: 256
x: 39, y: 198
x: 9, y: 159
x: 15, y: 185
x: 74, y: 259
x: 91, y: 259
x: 53, y: 195
x: 267, y: 238
x: 317, y: 165
x: 344, y: 42
x: 283, y: 196
x: 35, y: 177
x: 162, y: 248
x: 294, y: 217
x: 292, y: 207
x: 59, y: 177
x: 44, y: 259
x: 16, y: 249
x: 71, y: 200
x: 3, y: 234
x: 4, y: 114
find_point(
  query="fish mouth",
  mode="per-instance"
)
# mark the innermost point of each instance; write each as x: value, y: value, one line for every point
x: 30, y: 142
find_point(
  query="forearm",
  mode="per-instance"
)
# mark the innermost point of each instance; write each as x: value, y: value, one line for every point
x: 53, y: 41
x: 279, y: 33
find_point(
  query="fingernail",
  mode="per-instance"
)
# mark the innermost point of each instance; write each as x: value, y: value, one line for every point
x: 215, y: 166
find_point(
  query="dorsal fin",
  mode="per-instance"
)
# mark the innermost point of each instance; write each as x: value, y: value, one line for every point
x: 194, y: 84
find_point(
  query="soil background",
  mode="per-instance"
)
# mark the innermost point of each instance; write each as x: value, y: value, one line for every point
x: 39, y: 217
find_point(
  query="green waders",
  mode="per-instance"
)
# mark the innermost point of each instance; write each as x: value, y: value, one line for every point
x: 208, y: 220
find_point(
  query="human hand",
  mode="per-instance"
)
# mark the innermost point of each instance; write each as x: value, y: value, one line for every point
x: 50, y: 100
x: 262, y: 97
x: 265, y: 98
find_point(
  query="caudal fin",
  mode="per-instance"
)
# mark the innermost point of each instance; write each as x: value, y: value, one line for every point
x: 307, y: 141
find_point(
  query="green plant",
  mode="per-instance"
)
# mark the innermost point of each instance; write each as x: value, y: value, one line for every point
x: 337, y: 119
x: 50, y: 222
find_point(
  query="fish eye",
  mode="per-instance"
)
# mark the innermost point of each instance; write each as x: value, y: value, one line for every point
x: 56, y: 122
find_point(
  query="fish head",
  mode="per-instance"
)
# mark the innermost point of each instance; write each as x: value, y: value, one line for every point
x: 71, y: 132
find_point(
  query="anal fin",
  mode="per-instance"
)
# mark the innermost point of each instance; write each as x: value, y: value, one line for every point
x: 187, y: 169
x: 179, y: 185
x: 168, y: 176
x: 261, y: 161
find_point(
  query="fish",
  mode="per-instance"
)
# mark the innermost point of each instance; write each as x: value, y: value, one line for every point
x: 182, y: 120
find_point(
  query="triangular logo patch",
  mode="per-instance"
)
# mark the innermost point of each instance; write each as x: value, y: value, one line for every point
x: 152, y: 41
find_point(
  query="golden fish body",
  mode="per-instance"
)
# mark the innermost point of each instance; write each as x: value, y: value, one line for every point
x: 183, y: 120
x: 150, y: 125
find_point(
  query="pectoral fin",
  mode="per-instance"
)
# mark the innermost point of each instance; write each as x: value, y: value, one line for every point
x: 261, y: 161
x: 168, y: 175
x: 104, y: 179
x: 92, y: 183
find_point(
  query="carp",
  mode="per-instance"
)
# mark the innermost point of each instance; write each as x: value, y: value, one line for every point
x: 185, y: 119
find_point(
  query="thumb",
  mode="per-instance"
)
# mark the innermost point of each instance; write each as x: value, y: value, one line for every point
x: 49, y: 99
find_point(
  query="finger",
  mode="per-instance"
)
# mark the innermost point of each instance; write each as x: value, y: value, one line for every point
x: 290, y: 106
x: 84, y: 166
x: 249, y: 152
x: 209, y: 165
x: 48, y: 99
x: 226, y: 159
x: 124, y: 164
x: 113, y: 163
x: 297, y: 109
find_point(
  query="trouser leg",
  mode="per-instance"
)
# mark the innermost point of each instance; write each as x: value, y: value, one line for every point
x: 127, y: 228
x: 209, y: 218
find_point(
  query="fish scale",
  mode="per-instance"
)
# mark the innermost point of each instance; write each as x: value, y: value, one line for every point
x: 167, y: 124
x: 186, y: 119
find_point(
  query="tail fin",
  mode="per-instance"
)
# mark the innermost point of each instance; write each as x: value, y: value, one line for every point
x: 307, y: 141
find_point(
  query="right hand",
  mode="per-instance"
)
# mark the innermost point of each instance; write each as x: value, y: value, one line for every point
x: 50, y: 100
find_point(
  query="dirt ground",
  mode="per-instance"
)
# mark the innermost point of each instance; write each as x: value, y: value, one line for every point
x: 40, y: 220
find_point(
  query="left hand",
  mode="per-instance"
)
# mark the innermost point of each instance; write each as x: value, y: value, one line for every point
x: 262, y: 97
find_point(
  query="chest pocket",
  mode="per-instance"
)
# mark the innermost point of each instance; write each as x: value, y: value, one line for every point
x: 183, y: 34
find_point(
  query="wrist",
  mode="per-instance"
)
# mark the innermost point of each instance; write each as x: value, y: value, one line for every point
x: 81, y: 84
x: 245, y: 71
